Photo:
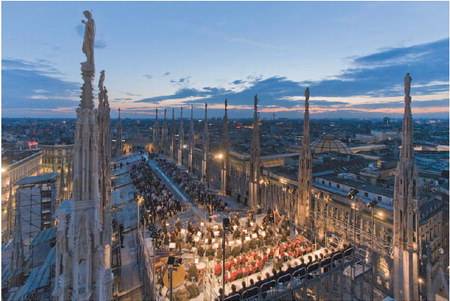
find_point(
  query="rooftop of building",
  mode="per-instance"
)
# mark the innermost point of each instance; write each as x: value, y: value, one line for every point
x: 11, y: 157
x: 32, y: 180
x: 384, y: 189
x: 330, y: 163
x: 56, y: 146
x: 38, y: 278
x: 429, y: 207
x: 329, y: 143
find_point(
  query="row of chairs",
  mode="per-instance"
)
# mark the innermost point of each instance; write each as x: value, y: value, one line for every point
x: 310, y: 271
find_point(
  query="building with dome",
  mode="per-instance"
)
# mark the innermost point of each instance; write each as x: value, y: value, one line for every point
x: 328, y: 143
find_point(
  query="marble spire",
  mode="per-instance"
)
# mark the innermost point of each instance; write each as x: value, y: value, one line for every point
x: 164, y: 133
x: 62, y: 182
x: 119, y: 146
x: 181, y: 139
x: 80, y: 248
x: 304, y: 171
x: 224, y: 176
x: 105, y: 212
x: 205, y: 179
x: 18, y: 256
x: 191, y: 141
x: 10, y: 213
x: 406, y: 215
x: 156, y: 139
x: 255, y: 161
x: 172, y: 136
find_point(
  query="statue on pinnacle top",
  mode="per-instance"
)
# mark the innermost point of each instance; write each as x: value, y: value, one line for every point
x: 101, y: 80
x: 88, y: 42
x: 407, y: 84
x: 307, y: 93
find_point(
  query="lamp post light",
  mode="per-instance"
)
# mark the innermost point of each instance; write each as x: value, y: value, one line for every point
x: 352, y: 197
x: 421, y: 282
x: 140, y: 201
x: 218, y: 156
x: 172, y: 264
x: 226, y: 227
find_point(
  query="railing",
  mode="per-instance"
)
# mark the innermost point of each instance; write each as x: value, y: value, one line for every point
x: 362, y: 237
x: 146, y: 262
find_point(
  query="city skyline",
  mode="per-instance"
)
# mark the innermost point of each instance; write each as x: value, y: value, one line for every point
x: 207, y: 209
x: 191, y: 53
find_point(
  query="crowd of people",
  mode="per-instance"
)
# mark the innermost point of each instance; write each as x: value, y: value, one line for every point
x: 253, y: 261
x: 300, y: 269
x: 194, y: 188
x: 159, y: 203
x: 267, y: 250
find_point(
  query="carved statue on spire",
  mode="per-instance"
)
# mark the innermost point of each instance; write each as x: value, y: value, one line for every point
x: 407, y: 85
x: 89, y: 36
x: 101, y: 88
x: 307, y: 94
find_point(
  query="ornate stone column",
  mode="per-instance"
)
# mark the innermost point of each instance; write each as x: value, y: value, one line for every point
x: 105, y: 212
x: 119, y: 146
x: 255, y: 162
x: 156, y: 140
x: 164, y: 134
x: 181, y: 139
x: 406, y: 212
x: 191, y: 141
x: 80, y: 248
x: 304, y: 172
x: 205, y: 179
x: 172, y: 136
x: 224, y: 176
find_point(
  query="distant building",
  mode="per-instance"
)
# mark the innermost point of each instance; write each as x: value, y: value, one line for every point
x: 15, y: 166
x: 53, y: 156
x: 19, y: 164
x: 58, y: 158
x: 35, y: 198
x: 329, y: 143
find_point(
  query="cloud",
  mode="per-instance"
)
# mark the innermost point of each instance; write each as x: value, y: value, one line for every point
x: 29, y: 85
x: 372, y: 86
x: 381, y: 73
x: 372, y: 82
x: 79, y: 29
x: 181, y: 81
x: 238, y: 82
x: 148, y: 76
x: 100, y: 44
x: 118, y: 99
x: 131, y: 94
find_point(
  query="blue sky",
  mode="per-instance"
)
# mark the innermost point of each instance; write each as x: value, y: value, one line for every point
x: 353, y: 55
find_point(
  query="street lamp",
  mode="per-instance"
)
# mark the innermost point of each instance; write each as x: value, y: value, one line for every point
x: 380, y: 214
x: 172, y: 264
x: 140, y: 201
x: 352, y: 197
x: 218, y: 156
x: 421, y: 282
x: 226, y: 227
